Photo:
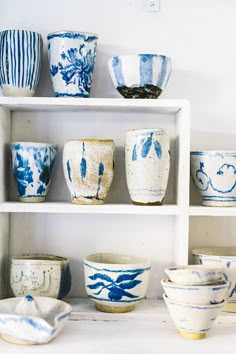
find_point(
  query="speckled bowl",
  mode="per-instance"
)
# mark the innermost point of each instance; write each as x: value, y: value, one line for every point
x: 197, y: 294
x: 140, y: 75
x: 195, y: 274
x: 40, y: 275
x: 116, y: 282
x: 29, y: 320
x: 193, y: 320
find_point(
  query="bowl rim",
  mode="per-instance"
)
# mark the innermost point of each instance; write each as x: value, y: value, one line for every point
x: 212, y: 152
x: 195, y: 306
x: 211, y: 252
x: 199, y: 267
x: 90, y: 34
x: 134, y: 261
x: 38, y: 258
x: 221, y: 284
x: 122, y: 56
x: 31, y: 143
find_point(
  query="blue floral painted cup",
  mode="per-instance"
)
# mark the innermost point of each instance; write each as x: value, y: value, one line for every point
x: 32, y: 167
x: 116, y: 283
x: 72, y: 58
x: 20, y: 62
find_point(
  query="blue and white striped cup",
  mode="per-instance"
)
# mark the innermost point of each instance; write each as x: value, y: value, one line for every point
x: 20, y: 62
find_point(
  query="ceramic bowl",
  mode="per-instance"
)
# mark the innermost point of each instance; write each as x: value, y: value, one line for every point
x: 195, y: 274
x: 40, y: 275
x: 33, y: 165
x: 31, y: 320
x: 213, y: 173
x: 193, y: 320
x: 140, y: 75
x: 115, y: 282
x: 223, y: 257
x: 197, y: 294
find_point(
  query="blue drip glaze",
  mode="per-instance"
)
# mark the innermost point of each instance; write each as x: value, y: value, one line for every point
x: 117, y: 67
x: 85, y: 37
x: 146, y: 72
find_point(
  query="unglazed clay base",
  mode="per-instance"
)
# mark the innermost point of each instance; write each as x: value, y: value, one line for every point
x: 84, y: 201
x: 229, y: 307
x: 13, y: 340
x: 32, y: 200
x: 192, y: 335
x: 155, y: 203
x: 114, y: 309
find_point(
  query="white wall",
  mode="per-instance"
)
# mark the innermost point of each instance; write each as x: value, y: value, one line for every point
x: 199, y: 36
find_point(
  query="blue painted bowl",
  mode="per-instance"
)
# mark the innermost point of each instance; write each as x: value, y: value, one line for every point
x: 20, y: 62
x: 116, y: 282
x: 213, y: 173
x: 140, y: 75
x: 40, y: 275
x: 72, y: 58
x: 33, y: 165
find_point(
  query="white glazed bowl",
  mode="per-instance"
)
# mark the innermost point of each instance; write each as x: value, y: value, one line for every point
x: 116, y: 282
x: 196, y: 294
x: 140, y: 75
x: 195, y: 274
x: 31, y: 320
x: 222, y: 257
x: 193, y: 320
x: 213, y: 173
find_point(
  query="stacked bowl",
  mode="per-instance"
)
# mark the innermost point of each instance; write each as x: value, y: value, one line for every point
x: 194, y: 295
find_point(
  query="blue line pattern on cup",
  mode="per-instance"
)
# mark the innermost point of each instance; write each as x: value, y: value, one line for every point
x: 20, y: 58
x: 146, y: 64
x: 203, y: 181
x: 143, y: 147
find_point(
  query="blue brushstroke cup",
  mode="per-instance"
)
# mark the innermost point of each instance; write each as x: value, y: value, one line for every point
x: 116, y: 283
x: 147, y: 164
x: 89, y: 169
x: 20, y: 62
x: 213, y: 173
x: 72, y: 58
x: 33, y: 165
x: 140, y: 75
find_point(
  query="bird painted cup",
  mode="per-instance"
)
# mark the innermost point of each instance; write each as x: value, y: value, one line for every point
x: 72, y: 58
x: 89, y: 168
x: 20, y: 62
x: 33, y: 165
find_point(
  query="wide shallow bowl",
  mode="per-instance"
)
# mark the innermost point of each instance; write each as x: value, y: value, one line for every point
x: 193, y: 320
x: 40, y: 275
x: 223, y: 257
x: 195, y: 274
x: 213, y: 173
x: 197, y: 294
x: 28, y: 320
x: 140, y: 75
x: 115, y: 282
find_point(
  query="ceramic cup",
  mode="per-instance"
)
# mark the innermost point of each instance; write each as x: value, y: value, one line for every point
x: 72, y: 58
x: 116, y: 282
x: 40, y: 275
x: 140, y: 75
x: 147, y: 162
x: 20, y: 62
x: 32, y: 167
x: 89, y: 168
x: 213, y: 173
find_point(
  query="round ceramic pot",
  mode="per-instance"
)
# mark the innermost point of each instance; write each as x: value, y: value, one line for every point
x: 140, y: 75
x: 213, y: 173
x: 40, y: 275
x: 20, y: 62
x: 32, y: 167
x: 116, y: 282
x: 72, y: 58
x: 226, y: 258
x: 147, y: 162
x: 89, y: 168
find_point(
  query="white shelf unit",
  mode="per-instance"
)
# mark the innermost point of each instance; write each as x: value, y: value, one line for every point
x: 59, y: 227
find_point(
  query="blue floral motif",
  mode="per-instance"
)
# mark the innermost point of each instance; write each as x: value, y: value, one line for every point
x: 76, y: 68
x: 144, y: 147
x: 116, y: 288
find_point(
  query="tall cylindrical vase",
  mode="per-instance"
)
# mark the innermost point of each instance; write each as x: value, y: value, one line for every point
x: 72, y: 58
x: 147, y: 161
x: 20, y: 62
